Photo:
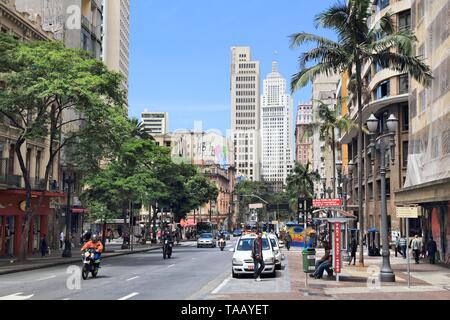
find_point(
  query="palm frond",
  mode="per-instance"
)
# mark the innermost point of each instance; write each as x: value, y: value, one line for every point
x: 402, y: 41
x: 306, y: 75
x: 297, y: 39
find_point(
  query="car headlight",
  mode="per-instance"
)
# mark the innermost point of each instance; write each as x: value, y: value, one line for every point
x: 269, y: 260
x: 237, y: 261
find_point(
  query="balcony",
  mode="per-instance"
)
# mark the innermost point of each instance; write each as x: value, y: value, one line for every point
x: 86, y: 23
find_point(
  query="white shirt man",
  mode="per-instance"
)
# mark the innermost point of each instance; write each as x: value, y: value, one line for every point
x: 61, y: 239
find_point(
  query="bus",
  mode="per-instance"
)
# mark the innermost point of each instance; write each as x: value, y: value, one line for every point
x: 207, y: 227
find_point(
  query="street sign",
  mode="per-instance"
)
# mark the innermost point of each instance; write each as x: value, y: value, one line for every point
x: 407, y: 212
x: 256, y: 206
x: 337, y: 247
x: 327, y: 203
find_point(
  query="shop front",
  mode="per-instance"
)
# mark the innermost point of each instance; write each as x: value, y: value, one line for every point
x: 12, y: 213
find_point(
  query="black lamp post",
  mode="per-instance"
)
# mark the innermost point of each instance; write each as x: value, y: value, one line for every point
x: 69, y: 180
x: 382, y: 143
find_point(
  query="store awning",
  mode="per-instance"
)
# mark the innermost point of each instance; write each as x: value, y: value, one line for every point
x: 187, y: 223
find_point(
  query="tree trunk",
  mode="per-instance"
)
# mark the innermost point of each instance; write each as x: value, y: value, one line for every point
x: 360, y: 166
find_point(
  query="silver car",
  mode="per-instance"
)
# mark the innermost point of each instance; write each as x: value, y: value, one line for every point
x: 206, y: 240
x: 276, y: 250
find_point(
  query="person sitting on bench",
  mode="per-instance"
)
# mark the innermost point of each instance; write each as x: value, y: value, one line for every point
x: 324, y: 264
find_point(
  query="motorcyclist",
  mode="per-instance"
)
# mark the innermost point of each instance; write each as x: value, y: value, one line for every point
x: 167, y: 235
x: 96, y: 244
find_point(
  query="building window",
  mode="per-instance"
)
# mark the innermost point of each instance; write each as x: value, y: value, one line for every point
x: 381, y: 4
x: 434, y: 148
x: 405, y: 153
x: 403, y: 84
x: 446, y: 142
x: 404, y: 20
x: 383, y: 90
x: 422, y: 101
x: 405, y: 116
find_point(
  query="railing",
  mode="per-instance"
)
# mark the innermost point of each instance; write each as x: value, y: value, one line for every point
x: 86, y: 23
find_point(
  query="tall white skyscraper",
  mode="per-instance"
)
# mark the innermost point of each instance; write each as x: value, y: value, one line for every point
x: 155, y: 122
x: 245, y: 113
x: 276, y: 130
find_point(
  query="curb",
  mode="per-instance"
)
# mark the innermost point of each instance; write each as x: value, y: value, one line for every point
x: 72, y: 260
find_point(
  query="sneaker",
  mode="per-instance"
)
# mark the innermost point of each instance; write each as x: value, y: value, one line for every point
x: 258, y: 279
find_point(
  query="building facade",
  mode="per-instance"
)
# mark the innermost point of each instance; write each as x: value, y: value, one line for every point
x: 323, y: 90
x: 116, y: 37
x: 155, y: 123
x: 427, y: 158
x: 386, y: 92
x: 304, y: 134
x: 276, y: 130
x: 245, y: 113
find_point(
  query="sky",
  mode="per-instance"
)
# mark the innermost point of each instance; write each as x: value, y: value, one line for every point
x: 180, y: 53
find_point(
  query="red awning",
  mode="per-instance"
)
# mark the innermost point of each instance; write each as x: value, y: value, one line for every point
x: 187, y: 223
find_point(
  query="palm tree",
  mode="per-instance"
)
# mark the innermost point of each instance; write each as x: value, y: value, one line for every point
x: 357, y: 45
x: 330, y: 121
x: 301, y: 183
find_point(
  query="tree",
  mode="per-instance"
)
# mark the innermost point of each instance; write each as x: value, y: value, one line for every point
x: 357, y: 45
x: 245, y: 190
x: 330, y: 121
x: 300, y: 183
x: 55, y: 94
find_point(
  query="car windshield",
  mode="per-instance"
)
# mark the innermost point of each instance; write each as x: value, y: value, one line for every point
x: 274, y: 243
x: 246, y: 244
x: 206, y: 235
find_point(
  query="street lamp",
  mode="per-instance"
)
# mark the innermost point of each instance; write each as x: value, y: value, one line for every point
x: 382, y: 142
x: 67, y: 252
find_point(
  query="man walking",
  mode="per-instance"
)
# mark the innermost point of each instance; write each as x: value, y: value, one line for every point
x: 44, y: 245
x: 416, y: 246
x: 402, y: 244
x: 61, y: 239
x: 432, y: 249
x: 257, y: 256
x: 353, y: 249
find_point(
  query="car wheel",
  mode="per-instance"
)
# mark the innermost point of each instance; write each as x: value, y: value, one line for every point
x: 278, y: 266
x: 198, y: 246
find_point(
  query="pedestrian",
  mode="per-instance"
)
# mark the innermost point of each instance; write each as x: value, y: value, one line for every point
x: 257, y: 255
x: 44, y: 246
x: 324, y: 264
x: 288, y: 240
x: 402, y: 244
x: 432, y: 249
x: 61, y: 239
x: 353, y: 249
x: 416, y: 246
x: 397, y: 246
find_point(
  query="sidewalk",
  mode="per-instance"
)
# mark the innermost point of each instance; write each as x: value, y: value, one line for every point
x: 113, y: 249
x: 428, y: 282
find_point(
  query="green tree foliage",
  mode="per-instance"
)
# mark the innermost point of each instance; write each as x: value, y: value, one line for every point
x: 300, y: 183
x: 55, y: 94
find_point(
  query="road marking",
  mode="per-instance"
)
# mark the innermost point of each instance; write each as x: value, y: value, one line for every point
x: 16, y: 296
x: 223, y: 284
x: 132, y: 278
x: 170, y: 266
x: 46, y: 278
x: 66, y: 299
x: 131, y: 295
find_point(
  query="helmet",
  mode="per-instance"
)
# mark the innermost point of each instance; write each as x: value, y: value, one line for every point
x: 94, y: 237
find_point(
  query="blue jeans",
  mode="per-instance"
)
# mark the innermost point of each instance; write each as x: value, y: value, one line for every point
x: 259, y: 267
x: 324, y: 266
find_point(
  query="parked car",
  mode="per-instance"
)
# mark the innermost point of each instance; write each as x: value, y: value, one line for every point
x: 242, y: 257
x: 276, y: 250
x: 206, y: 240
x: 237, y: 233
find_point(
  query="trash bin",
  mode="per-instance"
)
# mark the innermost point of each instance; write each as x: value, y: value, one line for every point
x: 309, y: 260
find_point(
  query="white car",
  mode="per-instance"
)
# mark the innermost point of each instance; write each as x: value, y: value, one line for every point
x: 276, y: 250
x: 206, y: 240
x: 242, y: 257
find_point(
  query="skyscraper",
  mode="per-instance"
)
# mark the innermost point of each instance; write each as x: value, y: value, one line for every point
x: 276, y: 130
x: 155, y: 122
x: 245, y: 113
x: 116, y: 36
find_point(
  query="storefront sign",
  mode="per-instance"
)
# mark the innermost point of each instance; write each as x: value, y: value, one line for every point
x: 407, y: 212
x: 327, y: 203
x: 256, y: 206
x: 337, y: 247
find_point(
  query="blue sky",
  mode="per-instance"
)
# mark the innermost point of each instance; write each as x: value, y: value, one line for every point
x: 180, y: 52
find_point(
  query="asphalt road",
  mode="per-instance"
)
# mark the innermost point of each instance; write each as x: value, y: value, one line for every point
x: 192, y: 273
x: 143, y: 276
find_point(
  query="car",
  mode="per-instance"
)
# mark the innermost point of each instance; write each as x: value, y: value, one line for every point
x: 237, y: 233
x: 206, y: 240
x: 276, y: 250
x: 242, y: 258
x: 226, y: 234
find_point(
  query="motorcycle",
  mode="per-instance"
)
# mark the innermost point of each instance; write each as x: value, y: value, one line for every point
x: 167, y: 249
x: 222, y: 244
x: 91, y: 263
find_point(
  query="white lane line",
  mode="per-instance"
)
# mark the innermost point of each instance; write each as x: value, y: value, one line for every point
x: 131, y: 295
x: 170, y: 266
x: 66, y: 299
x: 223, y: 284
x: 17, y: 296
x: 132, y: 278
x: 46, y: 278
